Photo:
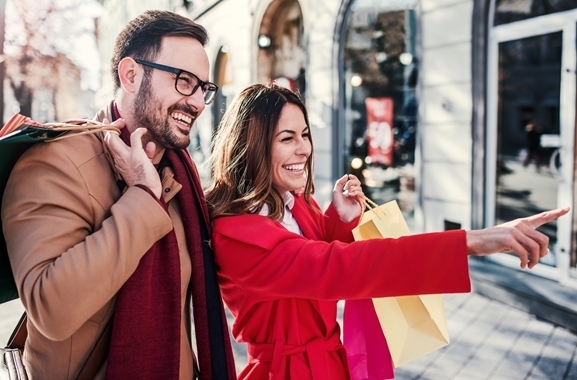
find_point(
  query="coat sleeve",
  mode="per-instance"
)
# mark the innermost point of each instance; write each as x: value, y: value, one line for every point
x: 268, y: 262
x: 327, y: 226
x: 336, y: 229
x: 67, y: 261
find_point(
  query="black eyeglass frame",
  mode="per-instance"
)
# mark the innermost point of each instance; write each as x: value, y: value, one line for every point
x: 212, y: 88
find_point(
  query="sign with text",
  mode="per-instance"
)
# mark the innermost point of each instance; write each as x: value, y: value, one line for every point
x: 380, y: 137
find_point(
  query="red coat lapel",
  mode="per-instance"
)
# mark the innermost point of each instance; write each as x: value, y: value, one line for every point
x: 310, y: 220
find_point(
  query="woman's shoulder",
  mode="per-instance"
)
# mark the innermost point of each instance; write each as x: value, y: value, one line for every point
x: 251, y: 229
x: 240, y: 220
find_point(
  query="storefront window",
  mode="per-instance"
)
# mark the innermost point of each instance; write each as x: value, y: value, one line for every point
x: 281, y: 56
x: 531, y: 122
x: 507, y: 11
x: 528, y: 129
x: 223, y: 79
x: 381, y: 70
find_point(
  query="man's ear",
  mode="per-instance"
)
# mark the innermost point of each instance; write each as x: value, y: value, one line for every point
x: 130, y: 74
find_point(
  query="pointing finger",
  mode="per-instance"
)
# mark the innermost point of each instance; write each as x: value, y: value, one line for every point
x: 546, y: 217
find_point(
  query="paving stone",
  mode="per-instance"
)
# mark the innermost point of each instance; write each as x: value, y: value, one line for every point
x: 489, y: 341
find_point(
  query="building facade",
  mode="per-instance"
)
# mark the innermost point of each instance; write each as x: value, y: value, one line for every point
x: 463, y: 111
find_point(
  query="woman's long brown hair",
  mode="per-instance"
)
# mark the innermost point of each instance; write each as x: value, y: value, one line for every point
x: 241, y: 154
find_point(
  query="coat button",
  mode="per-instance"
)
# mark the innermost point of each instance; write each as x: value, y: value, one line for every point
x: 167, y: 190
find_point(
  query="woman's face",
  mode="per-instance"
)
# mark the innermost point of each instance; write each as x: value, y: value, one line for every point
x: 291, y: 148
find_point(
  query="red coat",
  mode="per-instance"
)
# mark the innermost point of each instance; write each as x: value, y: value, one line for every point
x: 283, y: 288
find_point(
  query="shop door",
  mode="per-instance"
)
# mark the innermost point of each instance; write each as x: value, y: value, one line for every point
x: 531, y: 132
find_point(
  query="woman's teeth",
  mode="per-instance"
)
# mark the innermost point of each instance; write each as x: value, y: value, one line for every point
x: 295, y: 167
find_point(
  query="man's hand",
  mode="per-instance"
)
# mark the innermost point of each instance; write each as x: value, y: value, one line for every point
x: 134, y: 162
x: 519, y: 236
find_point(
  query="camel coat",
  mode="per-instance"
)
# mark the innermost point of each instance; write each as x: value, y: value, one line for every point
x: 282, y: 288
x: 73, y: 240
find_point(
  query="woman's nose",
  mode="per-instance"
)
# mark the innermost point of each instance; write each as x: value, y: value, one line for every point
x: 304, y: 147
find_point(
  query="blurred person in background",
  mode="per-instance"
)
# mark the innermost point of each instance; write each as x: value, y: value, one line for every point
x: 534, y: 150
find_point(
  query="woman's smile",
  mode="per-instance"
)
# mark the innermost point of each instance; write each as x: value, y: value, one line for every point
x: 291, y: 149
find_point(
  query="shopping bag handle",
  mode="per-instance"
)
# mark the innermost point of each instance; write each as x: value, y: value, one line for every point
x: 372, y: 206
x: 79, y: 127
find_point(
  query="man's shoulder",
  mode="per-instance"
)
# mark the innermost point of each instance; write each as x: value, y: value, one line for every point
x: 78, y: 149
x: 80, y: 161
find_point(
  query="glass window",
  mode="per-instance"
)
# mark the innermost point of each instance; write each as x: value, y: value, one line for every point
x: 528, y: 129
x: 507, y: 11
x: 381, y: 70
x: 223, y: 79
x: 282, y: 56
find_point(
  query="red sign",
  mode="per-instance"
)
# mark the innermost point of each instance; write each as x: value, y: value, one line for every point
x: 380, y: 130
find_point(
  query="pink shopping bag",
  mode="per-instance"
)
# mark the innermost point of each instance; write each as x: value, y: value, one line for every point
x: 367, y: 351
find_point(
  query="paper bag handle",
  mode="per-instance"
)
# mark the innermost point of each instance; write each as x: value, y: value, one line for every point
x: 80, y: 127
x: 372, y: 206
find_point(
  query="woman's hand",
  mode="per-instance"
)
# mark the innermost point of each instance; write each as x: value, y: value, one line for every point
x: 519, y: 236
x: 346, y: 197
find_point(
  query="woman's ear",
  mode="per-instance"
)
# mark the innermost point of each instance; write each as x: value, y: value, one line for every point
x: 130, y: 75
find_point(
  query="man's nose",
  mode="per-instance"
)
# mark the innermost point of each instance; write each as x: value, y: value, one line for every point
x: 196, y: 100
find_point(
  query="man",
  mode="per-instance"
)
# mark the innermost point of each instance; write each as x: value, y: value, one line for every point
x: 107, y: 230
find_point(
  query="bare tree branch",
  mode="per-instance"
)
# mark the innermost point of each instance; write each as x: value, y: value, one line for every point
x: 37, y: 48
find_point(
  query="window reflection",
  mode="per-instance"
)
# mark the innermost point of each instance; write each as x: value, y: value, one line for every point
x: 381, y: 105
x: 507, y: 11
x: 529, y: 130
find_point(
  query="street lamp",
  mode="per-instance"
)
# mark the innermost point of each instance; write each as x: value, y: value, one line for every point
x: 264, y: 41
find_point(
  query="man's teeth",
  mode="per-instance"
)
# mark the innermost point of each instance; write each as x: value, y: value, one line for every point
x: 295, y: 167
x: 181, y: 117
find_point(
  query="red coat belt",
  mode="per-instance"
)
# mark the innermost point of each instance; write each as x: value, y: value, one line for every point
x: 316, y: 351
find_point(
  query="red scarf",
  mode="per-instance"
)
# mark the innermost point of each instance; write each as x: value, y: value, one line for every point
x: 146, y: 330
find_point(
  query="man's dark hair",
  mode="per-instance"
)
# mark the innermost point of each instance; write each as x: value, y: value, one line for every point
x: 142, y: 37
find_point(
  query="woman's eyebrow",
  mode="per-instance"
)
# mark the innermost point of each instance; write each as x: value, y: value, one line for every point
x: 306, y: 129
x: 286, y: 131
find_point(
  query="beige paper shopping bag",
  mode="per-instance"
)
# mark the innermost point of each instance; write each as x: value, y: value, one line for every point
x: 385, y: 220
x: 413, y: 325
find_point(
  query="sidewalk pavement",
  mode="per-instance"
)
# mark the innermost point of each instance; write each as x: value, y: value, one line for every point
x: 490, y: 340
x: 544, y: 298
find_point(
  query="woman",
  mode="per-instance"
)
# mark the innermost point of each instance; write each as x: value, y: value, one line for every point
x: 284, y: 264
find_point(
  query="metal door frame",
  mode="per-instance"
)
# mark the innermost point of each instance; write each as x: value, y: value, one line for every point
x: 565, y: 22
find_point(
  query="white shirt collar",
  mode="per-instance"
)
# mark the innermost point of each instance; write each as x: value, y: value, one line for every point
x: 288, y: 221
x: 289, y: 200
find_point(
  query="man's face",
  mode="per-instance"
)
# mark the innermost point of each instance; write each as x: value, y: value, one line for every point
x: 166, y: 114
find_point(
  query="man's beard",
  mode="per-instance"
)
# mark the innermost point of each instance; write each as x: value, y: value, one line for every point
x: 148, y: 113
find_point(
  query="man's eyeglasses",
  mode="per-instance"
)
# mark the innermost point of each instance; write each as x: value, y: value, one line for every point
x: 186, y: 83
